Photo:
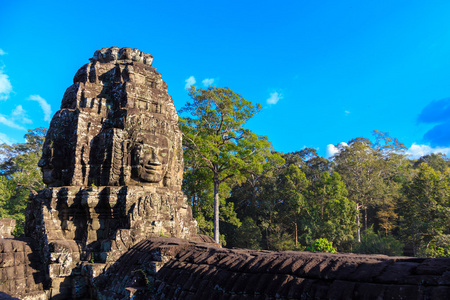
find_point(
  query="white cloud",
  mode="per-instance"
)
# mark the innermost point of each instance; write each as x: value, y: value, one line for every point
x: 416, y: 151
x: 2, y: 52
x: 20, y: 114
x: 5, y: 86
x: 347, y: 112
x: 207, y: 81
x: 332, y: 149
x: 10, y: 123
x: 274, y: 98
x: 5, y: 139
x: 43, y: 104
x: 190, y: 81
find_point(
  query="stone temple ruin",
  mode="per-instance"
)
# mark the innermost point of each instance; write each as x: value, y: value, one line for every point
x: 113, y: 222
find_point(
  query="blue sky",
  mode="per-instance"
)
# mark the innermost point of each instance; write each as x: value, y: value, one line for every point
x: 324, y: 71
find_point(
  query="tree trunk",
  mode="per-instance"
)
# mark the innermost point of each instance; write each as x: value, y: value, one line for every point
x: 216, y: 208
x: 365, y: 218
x: 358, y: 225
x: 296, y: 234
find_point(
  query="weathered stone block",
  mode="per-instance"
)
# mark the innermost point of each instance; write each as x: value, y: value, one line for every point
x: 20, y: 284
x: 19, y: 258
x: 19, y: 271
x: 7, y: 260
x: 6, y: 245
x: 10, y: 272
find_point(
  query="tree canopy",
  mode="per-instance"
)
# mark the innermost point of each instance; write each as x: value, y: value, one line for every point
x: 215, y: 138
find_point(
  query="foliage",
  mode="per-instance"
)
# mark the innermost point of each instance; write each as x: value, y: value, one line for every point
x: 440, y: 247
x: 215, y: 139
x: 248, y: 235
x: 437, y: 161
x: 377, y: 243
x: 331, y: 214
x: 321, y: 245
x: 198, y: 187
x: 282, y: 241
x: 293, y: 186
x: 20, y: 175
x: 370, y: 172
x: 425, y: 208
x: 309, y: 162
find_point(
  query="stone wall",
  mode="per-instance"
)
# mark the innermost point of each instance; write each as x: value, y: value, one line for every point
x: 178, y: 269
x: 21, y: 270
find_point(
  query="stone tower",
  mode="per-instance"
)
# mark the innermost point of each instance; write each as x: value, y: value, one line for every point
x: 113, y: 164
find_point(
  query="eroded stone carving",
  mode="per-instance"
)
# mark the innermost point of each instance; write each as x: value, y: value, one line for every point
x: 113, y: 163
x: 116, y: 113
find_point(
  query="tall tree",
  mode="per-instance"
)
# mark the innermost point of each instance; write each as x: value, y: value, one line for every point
x: 293, y: 188
x: 425, y: 208
x: 358, y: 167
x: 331, y: 214
x: 369, y: 171
x: 199, y: 188
x: 214, y: 138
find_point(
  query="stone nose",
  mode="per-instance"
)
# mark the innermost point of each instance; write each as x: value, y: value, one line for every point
x: 154, y: 160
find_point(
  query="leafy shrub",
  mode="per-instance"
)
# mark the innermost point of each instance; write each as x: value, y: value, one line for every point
x: 377, y: 243
x: 440, y: 247
x: 283, y: 242
x: 321, y: 245
x: 248, y: 235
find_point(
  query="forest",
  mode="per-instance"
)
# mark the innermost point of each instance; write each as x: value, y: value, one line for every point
x: 370, y: 197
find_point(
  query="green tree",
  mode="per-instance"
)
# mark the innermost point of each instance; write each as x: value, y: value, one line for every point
x: 331, y: 214
x: 437, y: 161
x: 293, y: 188
x: 214, y: 138
x: 248, y: 235
x: 20, y: 175
x: 425, y: 208
x: 370, y: 172
x: 198, y: 187
x: 309, y: 162
x: 357, y: 163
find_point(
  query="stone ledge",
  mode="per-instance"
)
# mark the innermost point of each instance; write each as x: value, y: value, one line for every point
x: 169, y: 268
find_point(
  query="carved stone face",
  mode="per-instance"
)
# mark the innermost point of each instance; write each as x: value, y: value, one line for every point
x: 151, y: 158
x: 52, y: 162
